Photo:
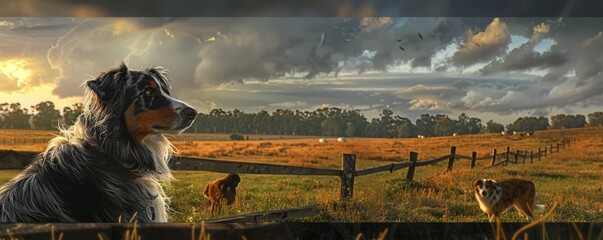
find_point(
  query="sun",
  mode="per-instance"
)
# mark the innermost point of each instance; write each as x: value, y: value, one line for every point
x: 16, y: 70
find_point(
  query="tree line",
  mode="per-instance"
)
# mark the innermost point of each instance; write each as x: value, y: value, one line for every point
x: 328, y: 121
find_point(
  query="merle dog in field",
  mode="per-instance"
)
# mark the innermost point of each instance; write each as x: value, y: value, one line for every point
x: 110, y: 163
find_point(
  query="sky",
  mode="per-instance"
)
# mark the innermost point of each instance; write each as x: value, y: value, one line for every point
x: 492, y: 68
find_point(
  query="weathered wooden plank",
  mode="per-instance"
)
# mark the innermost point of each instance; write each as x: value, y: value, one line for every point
x: 43, y: 231
x: 347, y: 177
x: 411, y: 170
x: 145, y: 231
x: 493, y: 157
x: 270, y: 216
x: 452, y: 157
x: 11, y: 159
x: 198, y: 164
x: 460, y: 156
x: 432, y: 161
x: 390, y: 167
x: 487, y: 157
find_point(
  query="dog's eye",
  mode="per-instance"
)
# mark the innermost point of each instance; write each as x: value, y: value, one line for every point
x: 149, y: 93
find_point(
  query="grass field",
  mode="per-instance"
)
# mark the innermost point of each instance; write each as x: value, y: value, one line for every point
x: 572, y: 177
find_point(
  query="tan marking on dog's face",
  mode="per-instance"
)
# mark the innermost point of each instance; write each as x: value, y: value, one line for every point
x: 490, y: 186
x: 484, y: 187
x: 153, y: 85
x: 142, y: 124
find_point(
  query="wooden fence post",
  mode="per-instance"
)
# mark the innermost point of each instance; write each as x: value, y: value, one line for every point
x: 473, y: 158
x: 551, y: 149
x: 347, y: 179
x: 508, y: 154
x: 452, y: 155
x: 516, y: 156
x: 557, y: 147
x: 539, y: 154
x: 532, y: 156
x: 411, y: 170
x: 525, y: 154
x: 493, y: 157
x: 545, y: 151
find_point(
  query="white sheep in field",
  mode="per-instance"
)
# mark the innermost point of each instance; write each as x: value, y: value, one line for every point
x: 503, y: 133
x: 342, y: 140
x: 454, y: 134
x: 323, y: 140
x: 420, y: 136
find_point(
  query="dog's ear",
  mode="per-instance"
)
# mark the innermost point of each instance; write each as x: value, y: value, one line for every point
x: 477, y: 183
x: 105, y: 86
x: 101, y: 89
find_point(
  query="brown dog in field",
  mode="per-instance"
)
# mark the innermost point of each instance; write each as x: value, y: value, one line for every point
x: 497, y: 197
x: 222, y: 190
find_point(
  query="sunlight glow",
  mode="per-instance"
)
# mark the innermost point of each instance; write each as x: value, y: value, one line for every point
x: 17, y: 71
x: 38, y: 94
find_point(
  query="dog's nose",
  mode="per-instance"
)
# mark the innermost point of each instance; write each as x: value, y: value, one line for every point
x: 189, y: 113
x: 484, y: 193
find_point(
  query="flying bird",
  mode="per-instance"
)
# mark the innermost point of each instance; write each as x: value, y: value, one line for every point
x: 346, y: 40
x: 421, y: 36
x: 399, y: 40
x: 402, y: 48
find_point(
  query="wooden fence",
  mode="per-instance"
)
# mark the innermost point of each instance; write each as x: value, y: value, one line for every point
x: 348, y: 171
x: 270, y: 216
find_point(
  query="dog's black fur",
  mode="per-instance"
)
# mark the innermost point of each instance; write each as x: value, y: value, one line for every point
x: 110, y: 164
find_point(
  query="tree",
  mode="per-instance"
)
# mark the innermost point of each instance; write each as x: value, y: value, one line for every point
x: 444, y: 126
x: 468, y: 125
x: 70, y: 115
x: 47, y: 117
x: 332, y: 127
x: 425, y: 125
x: 493, y: 127
x: 562, y: 121
x: 405, y: 128
x: 595, y: 119
x: 529, y: 124
x: 350, y: 130
x: 15, y: 117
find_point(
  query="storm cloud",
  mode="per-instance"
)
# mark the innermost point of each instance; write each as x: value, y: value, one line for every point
x: 412, y: 65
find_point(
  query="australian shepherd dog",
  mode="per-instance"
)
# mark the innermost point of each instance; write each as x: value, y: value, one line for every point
x: 496, y: 197
x: 110, y: 164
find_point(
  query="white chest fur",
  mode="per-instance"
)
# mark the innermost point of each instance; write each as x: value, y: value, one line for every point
x: 157, y: 211
x: 486, y: 203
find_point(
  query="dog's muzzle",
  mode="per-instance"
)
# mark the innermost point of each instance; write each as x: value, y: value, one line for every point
x: 189, y: 114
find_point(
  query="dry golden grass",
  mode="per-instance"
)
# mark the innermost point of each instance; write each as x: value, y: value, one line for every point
x: 309, y: 152
x: 571, y: 178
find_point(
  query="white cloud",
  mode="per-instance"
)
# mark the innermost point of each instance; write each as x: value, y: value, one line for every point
x: 483, y: 46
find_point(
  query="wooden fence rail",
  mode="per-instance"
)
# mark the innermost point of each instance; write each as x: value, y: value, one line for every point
x: 223, y: 166
x: 348, y: 171
x: 270, y: 216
